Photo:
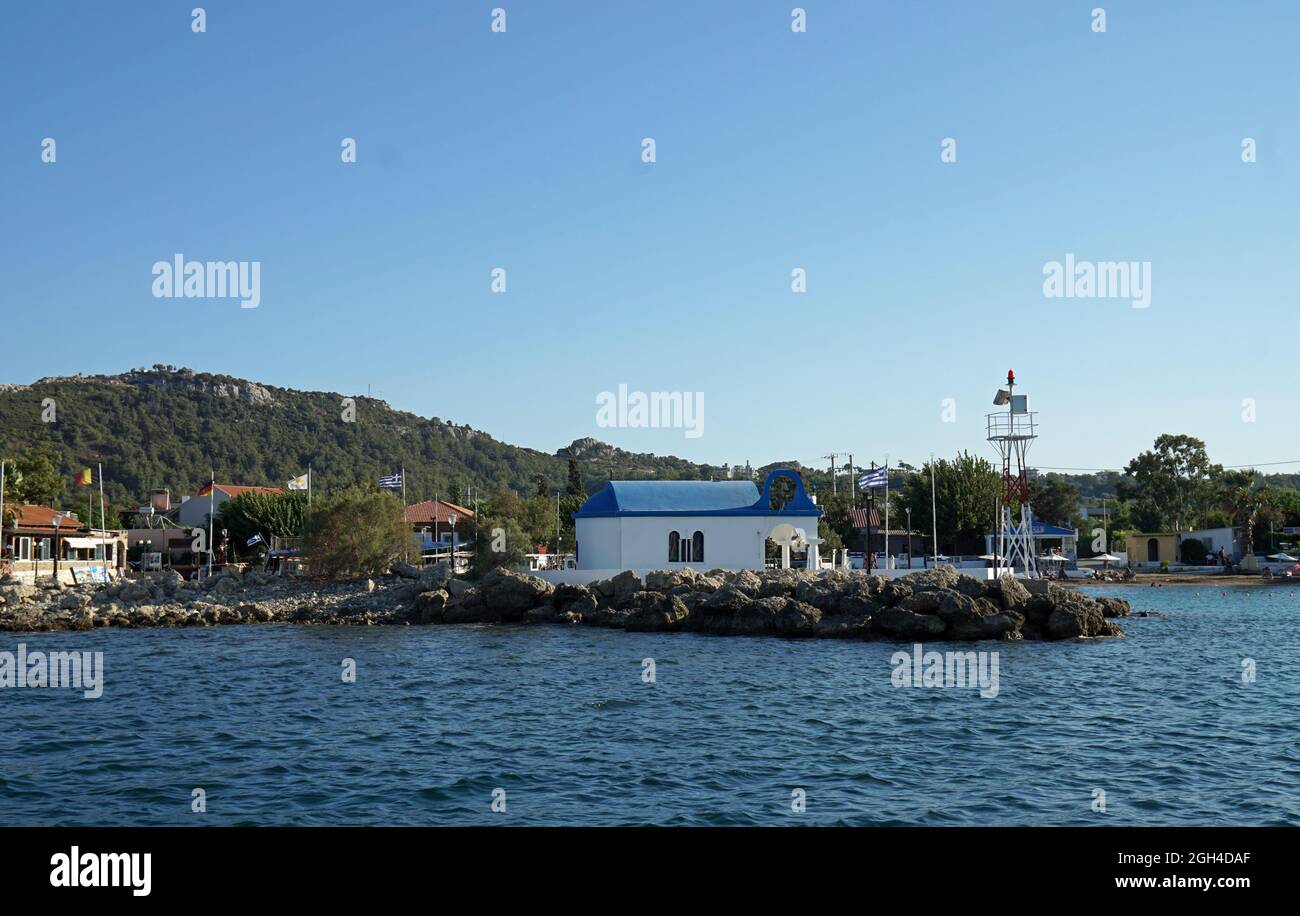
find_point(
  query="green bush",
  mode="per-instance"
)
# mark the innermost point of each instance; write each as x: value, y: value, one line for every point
x: 356, y: 532
x: 1194, y: 552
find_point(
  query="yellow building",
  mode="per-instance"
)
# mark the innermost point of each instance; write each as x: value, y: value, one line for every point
x: 1149, y: 547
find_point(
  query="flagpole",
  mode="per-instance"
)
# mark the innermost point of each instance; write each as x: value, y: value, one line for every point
x: 887, y: 565
x: 2, y: 509
x: 103, y: 522
x: 934, y: 516
x: 212, y: 509
x: 309, y: 486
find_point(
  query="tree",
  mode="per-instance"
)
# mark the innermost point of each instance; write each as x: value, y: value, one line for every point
x: 356, y: 532
x: 966, y: 493
x: 1245, y: 499
x: 1054, y: 500
x: 503, y: 543
x: 575, y: 478
x: 1171, y: 482
x: 267, y: 514
x: 34, y: 477
x: 542, y: 489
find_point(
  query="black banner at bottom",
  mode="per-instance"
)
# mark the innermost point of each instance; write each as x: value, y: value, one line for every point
x: 331, y: 865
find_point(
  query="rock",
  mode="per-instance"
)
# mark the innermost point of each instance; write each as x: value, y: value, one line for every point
x: 574, y: 600
x: 134, y: 591
x: 893, y: 592
x: 728, y: 599
x: 370, y: 585
x: 510, y: 594
x: 1010, y: 593
x: 431, y: 606
x: 404, y: 570
x: 255, y: 612
x: 664, y: 580
x: 662, y: 613
x: 171, y: 581
x: 436, y: 576
x: 843, y: 626
x: 1076, y: 617
x: 939, y: 577
x: 746, y: 581
x: 1037, y: 587
x: 624, y: 584
x: 779, y: 583
x: 900, y: 623
x: 226, y: 585
x: 969, y: 618
x: 972, y: 587
x: 458, y: 587
x: 927, y: 602
x: 74, y: 601
x: 1114, y: 607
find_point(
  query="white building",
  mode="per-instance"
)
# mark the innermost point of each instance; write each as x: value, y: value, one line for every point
x: 643, y: 525
x: 193, y: 512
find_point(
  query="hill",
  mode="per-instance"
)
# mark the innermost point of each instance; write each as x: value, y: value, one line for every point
x: 169, y: 427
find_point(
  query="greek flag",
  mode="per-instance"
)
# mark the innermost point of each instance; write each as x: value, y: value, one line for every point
x: 391, y: 482
x: 255, y: 539
x: 873, y: 479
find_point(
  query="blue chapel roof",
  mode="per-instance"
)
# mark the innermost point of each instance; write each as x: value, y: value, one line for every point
x: 690, y: 497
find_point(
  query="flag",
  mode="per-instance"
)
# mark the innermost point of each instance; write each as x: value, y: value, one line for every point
x: 298, y: 483
x: 873, y: 479
x: 391, y: 482
x: 83, y: 478
x: 255, y: 539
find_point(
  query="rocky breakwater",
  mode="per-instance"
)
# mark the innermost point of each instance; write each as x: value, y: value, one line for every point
x: 934, y: 604
x: 168, y: 600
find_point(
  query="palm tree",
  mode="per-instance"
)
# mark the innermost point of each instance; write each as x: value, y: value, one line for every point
x: 1246, y: 498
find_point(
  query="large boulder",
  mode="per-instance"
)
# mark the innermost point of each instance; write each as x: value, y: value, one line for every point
x: 938, y: 577
x: 969, y: 618
x: 746, y: 581
x: 1114, y: 607
x: 659, y: 613
x: 619, y: 587
x: 405, y: 570
x: 511, y: 593
x: 1076, y: 616
x: 133, y: 591
x: 1010, y: 593
x: 430, y: 605
x: 665, y: 580
x: 775, y: 614
x: 780, y: 583
x: 435, y: 575
x: 900, y: 623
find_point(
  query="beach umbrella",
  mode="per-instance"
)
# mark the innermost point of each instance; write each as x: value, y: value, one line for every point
x: 1284, y: 557
x: 1107, y: 559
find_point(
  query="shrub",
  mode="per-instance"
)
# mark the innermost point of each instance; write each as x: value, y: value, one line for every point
x: 1194, y: 552
x: 356, y: 532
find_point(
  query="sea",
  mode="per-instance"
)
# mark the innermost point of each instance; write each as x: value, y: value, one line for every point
x: 1190, y: 719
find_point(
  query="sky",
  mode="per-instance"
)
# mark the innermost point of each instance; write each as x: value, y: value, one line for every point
x: 774, y: 150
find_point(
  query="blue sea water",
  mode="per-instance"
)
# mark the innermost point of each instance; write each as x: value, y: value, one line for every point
x: 561, y: 720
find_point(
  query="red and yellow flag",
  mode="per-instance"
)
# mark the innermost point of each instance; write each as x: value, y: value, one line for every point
x: 83, y: 478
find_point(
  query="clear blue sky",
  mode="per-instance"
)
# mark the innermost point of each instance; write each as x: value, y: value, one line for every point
x: 775, y: 150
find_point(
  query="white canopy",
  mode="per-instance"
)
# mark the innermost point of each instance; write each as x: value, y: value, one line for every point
x: 1284, y: 557
x: 1107, y: 558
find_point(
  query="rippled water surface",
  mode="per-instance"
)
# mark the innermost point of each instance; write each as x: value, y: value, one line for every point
x: 560, y: 718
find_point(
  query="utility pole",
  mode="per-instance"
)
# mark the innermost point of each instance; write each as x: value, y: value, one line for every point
x: 832, y: 456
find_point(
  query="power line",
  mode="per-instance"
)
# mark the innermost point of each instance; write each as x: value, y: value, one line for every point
x: 1233, y: 467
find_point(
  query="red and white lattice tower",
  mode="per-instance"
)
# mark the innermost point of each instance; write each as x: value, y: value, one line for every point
x: 1011, y: 432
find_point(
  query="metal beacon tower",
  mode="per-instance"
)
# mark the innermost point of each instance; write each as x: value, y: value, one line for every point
x: 1011, y: 432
